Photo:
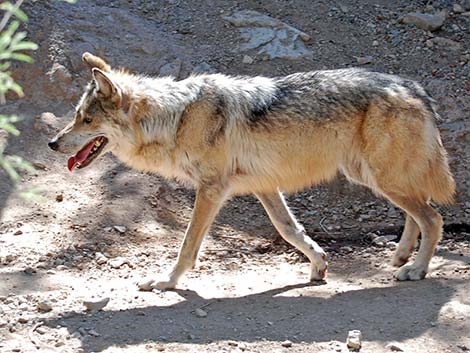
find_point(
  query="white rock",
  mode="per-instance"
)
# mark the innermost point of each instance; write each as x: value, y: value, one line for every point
x: 272, y: 37
x: 354, y: 339
x: 395, y: 346
x: 95, y: 305
x: 118, y: 262
x: 100, y: 258
x: 286, y: 344
x: 458, y: 8
x: 363, y: 60
x: 120, y: 229
x: 200, y: 313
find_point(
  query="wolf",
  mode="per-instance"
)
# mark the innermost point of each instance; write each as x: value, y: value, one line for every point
x: 229, y: 136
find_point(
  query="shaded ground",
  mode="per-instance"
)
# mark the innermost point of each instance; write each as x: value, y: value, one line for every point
x: 248, y: 281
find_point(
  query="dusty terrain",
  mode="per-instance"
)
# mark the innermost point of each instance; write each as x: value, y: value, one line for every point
x: 96, y: 233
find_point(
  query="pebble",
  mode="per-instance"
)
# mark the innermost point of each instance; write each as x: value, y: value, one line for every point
x: 59, y: 198
x: 146, y: 285
x: 44, y: 306
x: 117, y: 262
x: 428, y: 22
x: 120, y: 229
x: 247, y: 59
x: 458, y: 8
x: 93, y: 333
x: 394, y: 346
x: 392, y: 245
x: 363, y: 60
x: 354, y: 339
x: 200, y: 313
x: 100, y: 258
x: 94, y: 306
x: 286, y: 344
x: 18, y: 232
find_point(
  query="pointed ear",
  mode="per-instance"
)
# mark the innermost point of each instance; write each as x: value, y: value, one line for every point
x: 95, y: 61
x: 106, y: 88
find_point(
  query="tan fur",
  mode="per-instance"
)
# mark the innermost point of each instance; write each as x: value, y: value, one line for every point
x: 392, y: 147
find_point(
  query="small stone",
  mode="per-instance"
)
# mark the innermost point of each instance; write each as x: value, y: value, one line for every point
x: 247, y: 59
x: 18, y: 232
x: 100, y: 258
x: 232, y: 343
x: 39, y: 165
x: 146, y: 285
x: 375, y: 43
x: 392, y: 245
x: 466, y: 5
x: 59, y: 198
x: 445, y: 42
x: 364, y: 60
x: 94, y: 333
x: 458, y: 8
x: 286, y: 343
x: 44, y: 306
x: 120, y: 229
x: 428, y: 22
x: 118, y: 262
x: 394, y: 346
x: 354, y: 340
x: 200, y: 313
x: 94, y: 306
x: 23, y: 320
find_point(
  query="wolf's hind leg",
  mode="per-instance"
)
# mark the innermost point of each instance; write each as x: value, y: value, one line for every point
x: 294, y: 233
x: 407, y: 242
x: 207, y: 205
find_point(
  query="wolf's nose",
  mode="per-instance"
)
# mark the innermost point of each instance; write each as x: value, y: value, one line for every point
x: 53, y: 145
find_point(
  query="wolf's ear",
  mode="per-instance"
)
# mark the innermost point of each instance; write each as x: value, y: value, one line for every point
x: 94, y: 61
x: 106, y: 88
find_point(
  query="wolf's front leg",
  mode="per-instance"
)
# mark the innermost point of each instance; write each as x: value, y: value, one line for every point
x: 294, y: 233
x: 208, y: 202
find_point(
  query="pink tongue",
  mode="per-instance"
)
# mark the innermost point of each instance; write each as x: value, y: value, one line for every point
x: 80, y: 157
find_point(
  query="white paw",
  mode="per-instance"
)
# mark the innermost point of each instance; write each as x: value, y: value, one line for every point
x: 319, y: 268
x: 410, y: 273
x: 165, y: 285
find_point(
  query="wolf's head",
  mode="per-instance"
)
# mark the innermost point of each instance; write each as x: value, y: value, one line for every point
x: 98, y: 119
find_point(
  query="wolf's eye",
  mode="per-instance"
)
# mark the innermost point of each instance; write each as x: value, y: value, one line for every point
x: 87, y: 120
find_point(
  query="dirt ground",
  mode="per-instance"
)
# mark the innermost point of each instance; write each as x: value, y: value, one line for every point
x: 97, y: 233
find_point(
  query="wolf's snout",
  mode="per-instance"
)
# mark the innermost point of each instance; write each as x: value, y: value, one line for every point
x: 53, y: 145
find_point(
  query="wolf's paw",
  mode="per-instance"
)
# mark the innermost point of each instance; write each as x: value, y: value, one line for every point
x: 165, y: 285
x: 410, y: 273
x: 319, y: 268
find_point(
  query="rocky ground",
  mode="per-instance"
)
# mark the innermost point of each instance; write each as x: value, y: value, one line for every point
x: 96, y: 234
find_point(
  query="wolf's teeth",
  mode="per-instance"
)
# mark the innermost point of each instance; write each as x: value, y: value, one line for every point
x: 97, y: 143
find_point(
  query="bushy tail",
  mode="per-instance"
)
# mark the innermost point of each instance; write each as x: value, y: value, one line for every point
x: 441, y: 183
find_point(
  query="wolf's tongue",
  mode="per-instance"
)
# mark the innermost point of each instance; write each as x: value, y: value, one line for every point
x: 81, y: 156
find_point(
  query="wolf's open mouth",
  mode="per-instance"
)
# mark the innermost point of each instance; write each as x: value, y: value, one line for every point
x: 87, y: 154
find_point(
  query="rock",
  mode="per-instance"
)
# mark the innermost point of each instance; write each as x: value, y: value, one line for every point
x: 392, y: 245
x: 200, y: 313
x: 46, y: 122
x: 247, y: 59
x: 118, y: 262
x: 383, y: 240
x: 458, y: 8
x: 100, y: 258
x: 18, y: 232
x: 93, y: 333
x: 203, y: 68
x: 354, y: 340
x: 272, y: 37
x: 59, y: 198
x: 394, y: 346
x: 428, y: 22
x: 445, y: 43
x: 171, y: 69
x: 466, y: 5
x: 44, y: 306
x: 375, y: 43
x: 363, y: 60
x: 39, y: 166
x: 146, y: 285
x: 95, y: 305
x: 286, y: 343
x: 120, y: 229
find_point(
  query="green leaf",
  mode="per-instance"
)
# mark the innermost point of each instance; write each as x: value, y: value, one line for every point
x: 24, y: 46
x: 21, y: 57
